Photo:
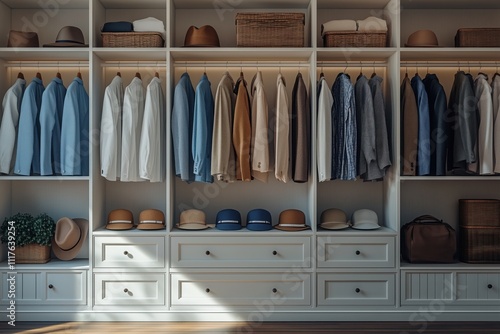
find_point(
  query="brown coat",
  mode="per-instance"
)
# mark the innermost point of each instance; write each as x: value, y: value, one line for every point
x: 242, y: 131
x: 300, y: 131
x: 409, y: 127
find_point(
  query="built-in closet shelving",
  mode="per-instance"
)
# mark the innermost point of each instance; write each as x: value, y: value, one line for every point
x: 314, y: 274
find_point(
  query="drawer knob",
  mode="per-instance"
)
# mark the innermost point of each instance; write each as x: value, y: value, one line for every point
x: 490, y: 286
x: 275, y: 290
x: 358, y: 252
x: 275, y: 253
x: 125, y: 290
x: 357, y: 290
x: 125, y: 253
x: 207, y: 252
x: 207, y: 290
x: 51, y: 286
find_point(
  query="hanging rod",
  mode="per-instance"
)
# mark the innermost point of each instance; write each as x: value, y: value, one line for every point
x: 450, y: 64
x: 351, y: 63
x: 240, y: 64
x: 45, y: 64
x: 133, y: 64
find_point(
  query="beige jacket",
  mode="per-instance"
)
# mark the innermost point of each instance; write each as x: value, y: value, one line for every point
x: 260, y: 140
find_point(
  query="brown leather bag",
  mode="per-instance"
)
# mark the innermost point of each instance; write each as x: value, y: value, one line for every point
x: 427, y: 239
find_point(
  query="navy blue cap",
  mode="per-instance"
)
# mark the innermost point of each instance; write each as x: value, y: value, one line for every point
x: 259, y: 220
x: 228, y: 219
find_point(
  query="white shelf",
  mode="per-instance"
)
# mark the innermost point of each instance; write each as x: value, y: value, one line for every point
x: 235, y: 5
x: 132, y: 4
x: 241, y: 54
x: 53, y: 264
x: 355, y: 54
x: 44, y: 54
x: 131, y: 54
x: 215, y: 232
x: 357, y: 233
x: 451, y: 178
x: 129, y: 233
x: 450, y: 266
x: 450, y: 54
x: 43, y: 178
x: 447, y: 4
x: 37, y: 4
x: 350, y: 4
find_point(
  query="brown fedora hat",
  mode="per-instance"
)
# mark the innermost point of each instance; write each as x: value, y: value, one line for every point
x: 422, y: 38
x: 203, y: 36
x: 292, y: 220
x: 69, y: 36
x: 151, y: 219
x: 23, y: 39
x: 69, y: 237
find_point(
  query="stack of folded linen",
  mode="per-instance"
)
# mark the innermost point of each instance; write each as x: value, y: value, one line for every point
x: 149, y: 24
x: 370, y: 24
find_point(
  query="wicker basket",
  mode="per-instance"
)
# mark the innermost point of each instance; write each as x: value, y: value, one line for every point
x: 478, y: 37
x: 346, y: 39
x: 479, y: 234
x: 132, y: 39
x: 270, y: 29
x: 32, y: 253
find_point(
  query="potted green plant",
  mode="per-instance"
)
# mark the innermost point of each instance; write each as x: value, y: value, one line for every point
x: 31, y: 237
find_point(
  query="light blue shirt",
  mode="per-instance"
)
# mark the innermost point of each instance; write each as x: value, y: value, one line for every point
x: 182, y: 128
x: 202, y: 131
x: 28, y: 135
x: 50, y: 127
x: 75, y: 131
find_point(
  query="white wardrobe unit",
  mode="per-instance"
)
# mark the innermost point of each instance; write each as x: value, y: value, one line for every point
x: 244, y: 275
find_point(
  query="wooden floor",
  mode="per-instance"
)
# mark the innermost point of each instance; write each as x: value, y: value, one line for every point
x: 249, y: 328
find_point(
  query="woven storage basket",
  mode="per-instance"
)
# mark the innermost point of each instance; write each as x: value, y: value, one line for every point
x: 32, y: 253
x: 478, y: 37
x: 335, y: 39
x: 479, y: 234
x: 132, y: 39
x: 270, y: 29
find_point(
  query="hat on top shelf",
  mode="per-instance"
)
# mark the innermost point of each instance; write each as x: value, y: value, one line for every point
x: 151, y: 219
x: 23, y: 39
x: 120, y: 219
x: 192, y: 219
x: 69, y: 36
x: 203, y: 36
x: 422, y: 38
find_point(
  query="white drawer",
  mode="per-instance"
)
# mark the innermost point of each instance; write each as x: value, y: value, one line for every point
x: 356, y: 289
x: 421, y: 287
x: 225, y: 289
x: 354, y: 252
x: 47, y: 288
x: 478, y: 288
x: 121, y: 252
x: 130, y: 289
x: 247, y: 252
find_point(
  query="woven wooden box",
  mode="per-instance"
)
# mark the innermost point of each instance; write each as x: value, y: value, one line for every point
x: 478, y: 37
x: 346, y: 39
x: 32, y: 253
x: 132, y: 40
x: 479, y: 234
x: 270, y: 29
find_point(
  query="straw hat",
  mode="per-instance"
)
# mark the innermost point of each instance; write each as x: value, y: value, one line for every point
x: 151, y: 219
x: 333, y: 219
x: 292, y: 220
x: 120, y: 219
x: 204, y: 36
x: 69, y: 237
x: 192, y: 219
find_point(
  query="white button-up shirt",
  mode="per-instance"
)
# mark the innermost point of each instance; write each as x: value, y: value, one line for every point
x: 133, y: 113
x: 152, y: 143
x: 111, y: 130
x: 282, y: 132
x: 260, y: 141
x: 324, y: 134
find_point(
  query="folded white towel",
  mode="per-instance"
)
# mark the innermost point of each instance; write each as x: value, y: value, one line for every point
x: 149, y: 24
x: 372, y: 24
x: 338, y: 25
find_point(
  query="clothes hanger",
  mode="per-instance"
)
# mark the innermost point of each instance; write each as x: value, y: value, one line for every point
x: 79, y: 74
x: 138, y: 74
x: 20, y: 75
x: 374, y: 72
x: 360, y: 70
x: 38, y: 74
x: 156, y: 72
x: 321, y: 75
x: 58, y: 74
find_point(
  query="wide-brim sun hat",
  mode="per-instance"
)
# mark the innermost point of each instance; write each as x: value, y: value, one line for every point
x: 151, y: 219
x: 364, y: 219
x: 333, y: 219
x: 292, y: 220
x: 259, y: 220
x: 69, y: 236
x: 192, y: 219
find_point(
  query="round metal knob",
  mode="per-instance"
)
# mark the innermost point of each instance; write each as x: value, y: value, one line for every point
x: 275, y: 290
x: 357, y: 290
x: 490, y: 286
x: 275, y: 253
x: 125, y: 290
x: 358, y: 252
x: 207, y: 290
x: 50, y: 286
x: 207, y: 252
x: 125, y: 253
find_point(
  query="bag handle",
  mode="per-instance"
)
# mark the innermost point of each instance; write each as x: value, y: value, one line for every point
x: 427, y: 219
